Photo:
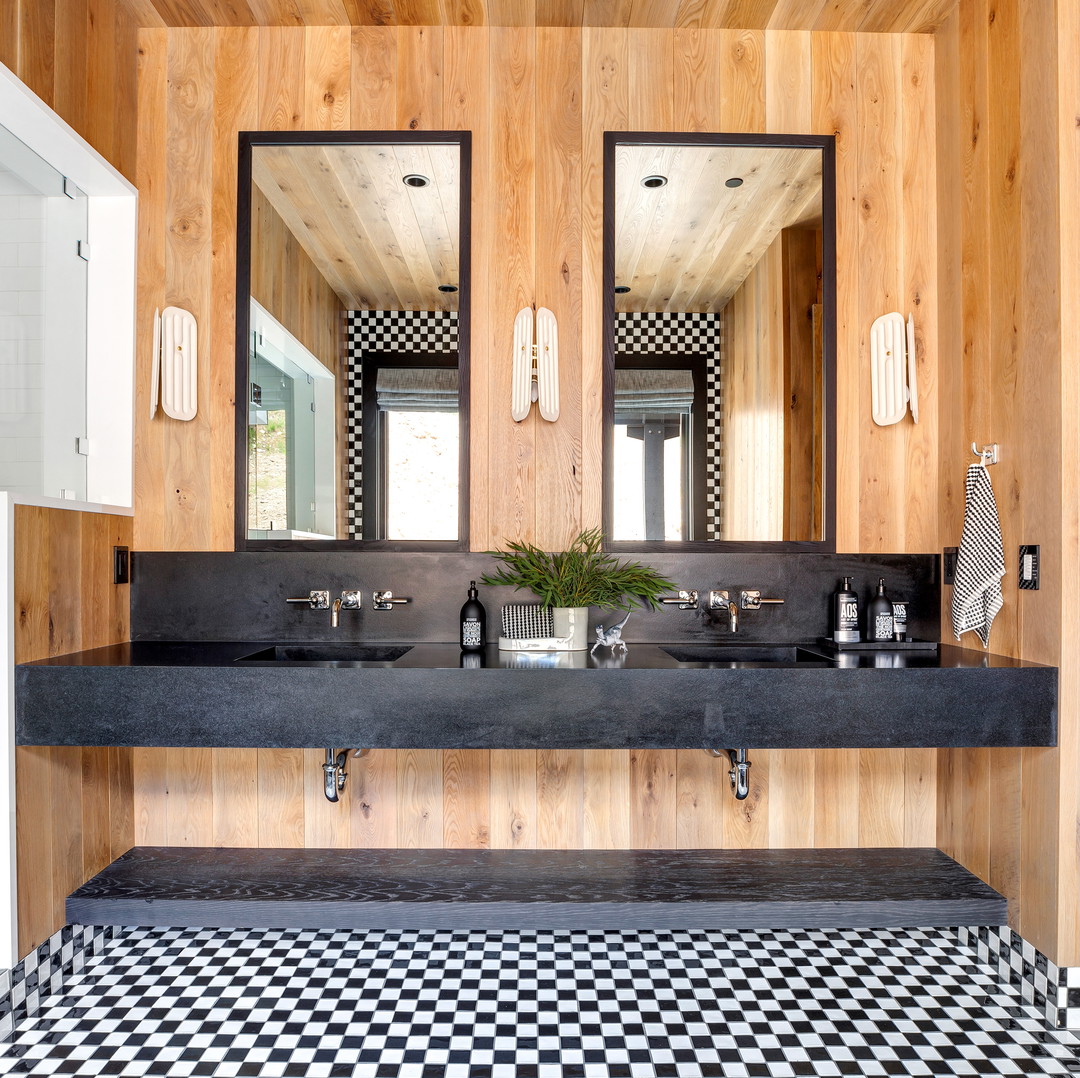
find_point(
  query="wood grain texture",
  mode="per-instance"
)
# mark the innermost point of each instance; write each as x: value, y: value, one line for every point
x: 73, y: 806
x: 537, y: 101
x: 869, y: 16
x: 1006, y: 239
x: 79, y: 57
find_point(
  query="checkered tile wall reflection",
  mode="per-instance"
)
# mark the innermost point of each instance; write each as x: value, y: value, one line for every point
x: 638, y: 332
x: 382, y: 331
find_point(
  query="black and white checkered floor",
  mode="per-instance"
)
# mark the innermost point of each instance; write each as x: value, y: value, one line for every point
x: 399, y: 1004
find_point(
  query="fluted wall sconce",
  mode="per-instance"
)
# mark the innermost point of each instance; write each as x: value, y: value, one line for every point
x: 536, y: 365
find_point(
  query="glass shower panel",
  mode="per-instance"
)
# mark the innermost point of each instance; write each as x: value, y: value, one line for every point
x: 43, y: 272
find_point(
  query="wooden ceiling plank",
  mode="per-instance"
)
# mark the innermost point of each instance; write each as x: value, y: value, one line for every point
x: 284, y: 183
x: 607, y: 13
x: 654, y: 14
x: 143, y: 13
x: 842, y: 15
x: 796, y: 14
x: 559, y: 12
x: 511, y: 13
x: 750, y: 14
x: 464, y: 13
x: 371, y: 12
x: 419, y: 12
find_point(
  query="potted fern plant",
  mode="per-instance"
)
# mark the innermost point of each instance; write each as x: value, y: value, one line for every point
x: 573, y: 580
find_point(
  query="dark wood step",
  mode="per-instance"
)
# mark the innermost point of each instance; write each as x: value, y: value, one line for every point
x: 535, y: 889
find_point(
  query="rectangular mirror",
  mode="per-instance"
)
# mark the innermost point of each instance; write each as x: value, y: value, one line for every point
x: 352, y: 334
x: 719, y: 339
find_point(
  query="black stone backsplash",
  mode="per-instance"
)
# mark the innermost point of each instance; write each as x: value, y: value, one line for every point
x: 241, y: 596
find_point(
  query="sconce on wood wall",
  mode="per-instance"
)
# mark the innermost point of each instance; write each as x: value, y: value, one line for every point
x: 175, y: 372
x: 536, y: 365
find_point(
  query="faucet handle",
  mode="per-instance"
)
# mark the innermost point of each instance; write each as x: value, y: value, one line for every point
x: 752, y: 600
x: 718, y: 600
x: 316, y: 600
x: 386, y: 600
x: 685, y: 600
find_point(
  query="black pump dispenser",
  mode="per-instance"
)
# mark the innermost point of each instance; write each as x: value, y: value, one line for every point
x: 473, y: 622
x: 845, y: 614
x: 879, y: 615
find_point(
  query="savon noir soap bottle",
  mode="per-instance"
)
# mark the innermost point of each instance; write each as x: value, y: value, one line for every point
x: 473, y: 622
x: 879, y: 615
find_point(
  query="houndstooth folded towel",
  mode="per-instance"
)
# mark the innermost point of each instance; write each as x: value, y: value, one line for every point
x: 980, y: 562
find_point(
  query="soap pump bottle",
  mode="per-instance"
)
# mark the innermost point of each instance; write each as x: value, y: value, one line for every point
x: 474, y: 622
x: 845, y: 614
x: 879, y: 616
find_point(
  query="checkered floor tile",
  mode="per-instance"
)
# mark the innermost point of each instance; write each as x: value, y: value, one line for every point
x: 409, y: 1005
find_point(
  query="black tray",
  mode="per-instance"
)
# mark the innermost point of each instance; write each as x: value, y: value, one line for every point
x: 880, y: 645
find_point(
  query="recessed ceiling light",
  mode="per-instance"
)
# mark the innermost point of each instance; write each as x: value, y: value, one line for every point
x: 654, y: 181
x: 735, y: 181
x: 448, y: 288
x: 621, y: 289
x: 414, y: 179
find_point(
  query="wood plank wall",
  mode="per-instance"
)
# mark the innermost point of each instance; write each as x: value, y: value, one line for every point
x: 73, y: 806
x: 79, y: 57
x: 753, y: 434
x: 1008, y: 74
x: 291, y: 288
x: 537, y: 101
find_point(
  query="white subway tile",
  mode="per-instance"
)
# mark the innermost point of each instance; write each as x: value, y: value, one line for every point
x: 26, y: 449
x: 31, y: 254
x: 21, y: 231
x: 22, y: 425
x: 19, y: 424
x: 32, y: 303
x: 31, y: 351
x: 32, y: 208
x: 23, y: 473
x: 9, y: 254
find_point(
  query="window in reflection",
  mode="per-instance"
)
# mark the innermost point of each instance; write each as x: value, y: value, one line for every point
x: 408, y: 487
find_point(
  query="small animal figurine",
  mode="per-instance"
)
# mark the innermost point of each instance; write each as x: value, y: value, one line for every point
x: 610, y: 638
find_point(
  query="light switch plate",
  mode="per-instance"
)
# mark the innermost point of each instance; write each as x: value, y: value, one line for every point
x: 1028, y: 570
x: 948, y: 565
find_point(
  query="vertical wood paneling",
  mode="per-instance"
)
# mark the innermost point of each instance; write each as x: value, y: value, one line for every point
x: 605, y: 107
x: 466, y: 799
x: 73, y: 805
x: 537, y: 102
x: 558, y: 278
x: 510, y: 208
x: 1006, y: 93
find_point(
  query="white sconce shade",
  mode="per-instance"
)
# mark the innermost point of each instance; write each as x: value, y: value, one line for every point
x: 175, y: 361
x: 535, y: 372
x: 893, y: 382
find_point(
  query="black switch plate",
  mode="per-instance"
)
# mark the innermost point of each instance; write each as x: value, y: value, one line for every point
x: 948, y: 564
x: 1028, y: 572
x: 120, y: 573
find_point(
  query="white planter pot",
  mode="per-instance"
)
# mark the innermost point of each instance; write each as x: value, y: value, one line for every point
x: 572, y: 626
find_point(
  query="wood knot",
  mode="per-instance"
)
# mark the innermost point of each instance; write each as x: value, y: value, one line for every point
x: 414, y: 123
x: 328, y: 99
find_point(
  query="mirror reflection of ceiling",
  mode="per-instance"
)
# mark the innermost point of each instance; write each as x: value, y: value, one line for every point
x: 688, y: 245
x: 380, y: 244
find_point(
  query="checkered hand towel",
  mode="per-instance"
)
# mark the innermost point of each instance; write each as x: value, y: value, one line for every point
x: 980, y: 563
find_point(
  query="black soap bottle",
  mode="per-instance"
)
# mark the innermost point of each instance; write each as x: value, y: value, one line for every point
x: 879, y: 615
x: 474, y: 622
x: 845, y: 614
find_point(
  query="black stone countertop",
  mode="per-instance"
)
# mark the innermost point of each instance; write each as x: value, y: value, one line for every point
x: 200, y: 695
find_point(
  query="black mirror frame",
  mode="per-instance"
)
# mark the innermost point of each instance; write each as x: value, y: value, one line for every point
x: 249, y: 139
x: 827, y: 145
